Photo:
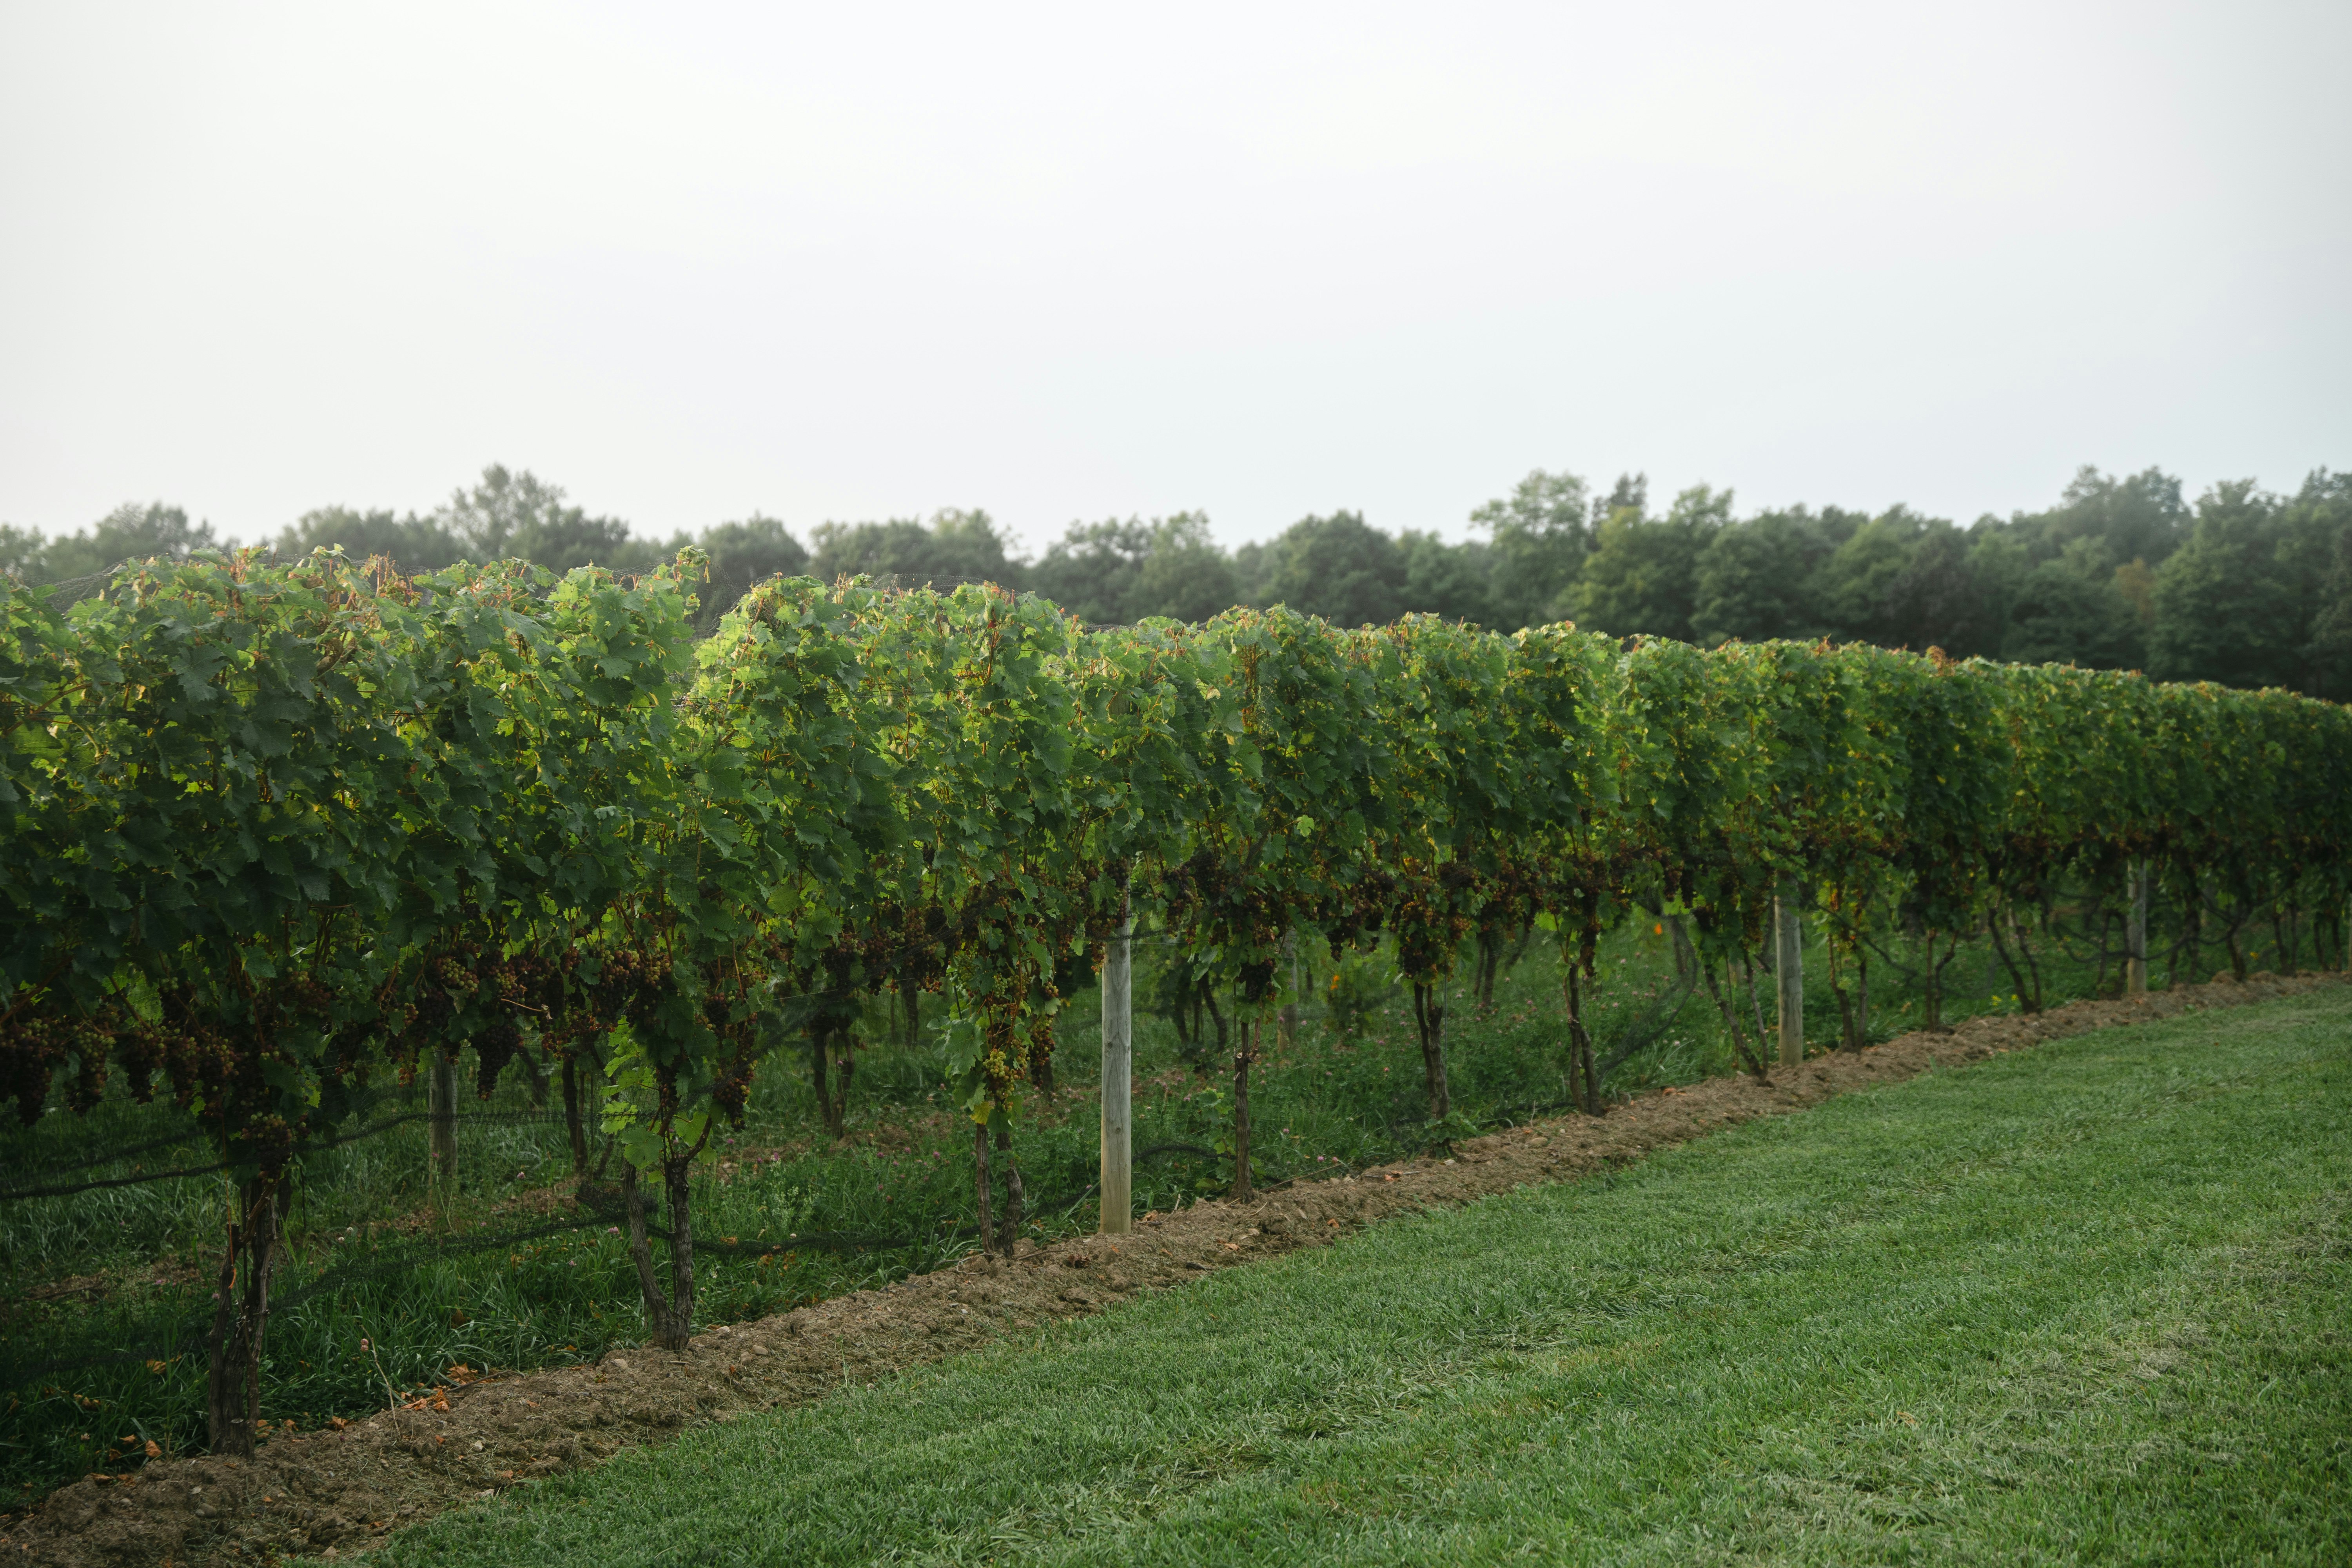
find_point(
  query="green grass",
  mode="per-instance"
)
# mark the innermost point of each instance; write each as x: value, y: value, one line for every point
x: 2092, y: 1302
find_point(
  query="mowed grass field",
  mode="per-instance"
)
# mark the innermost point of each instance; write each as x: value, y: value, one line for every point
x: 2091, y: 1302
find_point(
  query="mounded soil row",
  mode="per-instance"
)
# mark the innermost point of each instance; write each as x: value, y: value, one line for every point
x: 332, y: 1493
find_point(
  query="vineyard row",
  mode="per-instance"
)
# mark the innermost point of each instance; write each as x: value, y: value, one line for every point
x: 271, y: 830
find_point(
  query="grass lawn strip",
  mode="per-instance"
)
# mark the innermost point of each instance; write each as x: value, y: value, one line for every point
x: 342, y: 1489
x: 2096, y: 1303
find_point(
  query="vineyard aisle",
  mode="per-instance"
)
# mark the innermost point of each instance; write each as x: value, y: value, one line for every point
x: 2089, y: 1299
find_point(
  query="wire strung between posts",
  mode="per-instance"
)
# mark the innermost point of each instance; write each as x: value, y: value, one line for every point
x: 308, y: 1147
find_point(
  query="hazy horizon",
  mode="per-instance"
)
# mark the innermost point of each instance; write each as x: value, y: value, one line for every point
x: 700, y: 262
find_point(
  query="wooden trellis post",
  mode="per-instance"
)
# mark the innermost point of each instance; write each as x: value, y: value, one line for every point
x: 1118, y: 1067
x: 441, y: 1123
x: 1789, y: 969
x: 2136, y: 933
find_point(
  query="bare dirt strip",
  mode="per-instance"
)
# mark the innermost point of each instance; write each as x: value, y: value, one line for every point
x: 332, y: 1492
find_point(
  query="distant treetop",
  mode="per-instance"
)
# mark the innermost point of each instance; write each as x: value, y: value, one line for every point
x: 2245, y: 586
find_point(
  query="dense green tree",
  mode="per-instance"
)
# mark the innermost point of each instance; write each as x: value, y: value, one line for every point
x: 1631, y: 491
x: 1091, y: 570
x: 2137, y: 583
x: 1761, y: 578
x: 518, y: 515
x: 1642, y: 575
x: 742, y: 553
x: 1539, y: 536
x: 956, y: 546
x: 2137, y: 522
x: 2225, y: 609
x: 1937, y: 600
x: 2070, y: 611
x: 2141, y: 518
x: 2315, y: 551
x: 1184, y: 574
x: 129, y: 532
x: 1854, y: 595
x: 1253, y: 571
x: 1116, y: 573
x: 1338, y: 567
x: 508, y: 515
x: 512, y: 515
x: 2327, y: 651
x: 2002, y: 555
x: 1456, y: 581
x: 415, y: 544
x: 20, y: 552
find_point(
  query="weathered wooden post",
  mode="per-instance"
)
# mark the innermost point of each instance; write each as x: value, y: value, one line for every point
x: 1285, y: 1022
x: 1788, y: 968
x: 441, y: 1115
x: 2136, y: 933
x: 1118, y: 1069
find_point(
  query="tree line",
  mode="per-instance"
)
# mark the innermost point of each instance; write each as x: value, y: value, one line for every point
x: 2245, y: 586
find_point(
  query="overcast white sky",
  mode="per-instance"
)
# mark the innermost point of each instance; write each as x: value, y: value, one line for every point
x: 852, y: 262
